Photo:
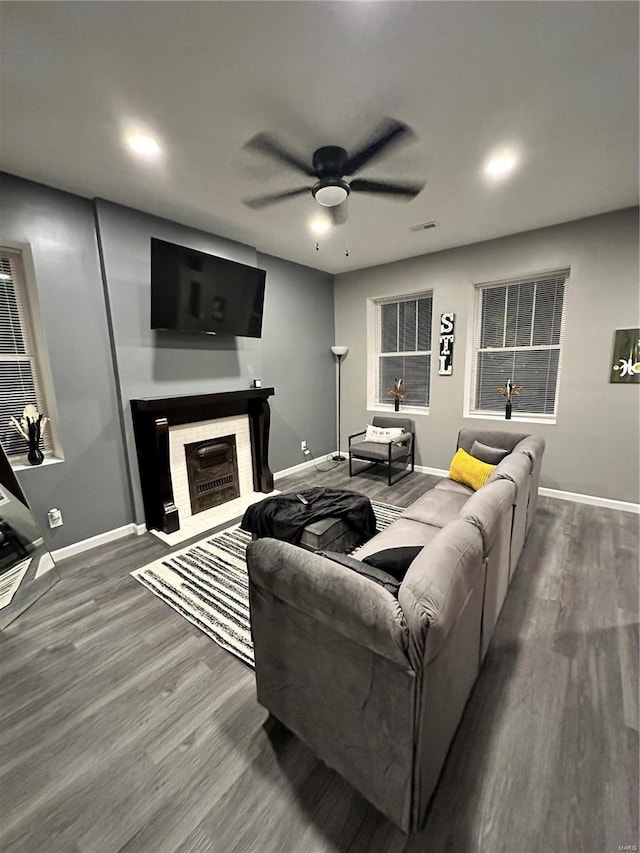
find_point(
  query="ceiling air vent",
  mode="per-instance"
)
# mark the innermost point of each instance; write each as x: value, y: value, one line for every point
x: 424, y: 226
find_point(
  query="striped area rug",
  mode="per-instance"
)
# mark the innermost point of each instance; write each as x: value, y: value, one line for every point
x: 207, y: 583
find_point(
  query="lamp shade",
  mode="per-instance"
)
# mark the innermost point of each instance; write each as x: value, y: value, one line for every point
x: 339, y: 350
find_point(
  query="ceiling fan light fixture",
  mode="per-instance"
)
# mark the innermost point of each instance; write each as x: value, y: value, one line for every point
x: 330, y: 194
x: 320, y: 226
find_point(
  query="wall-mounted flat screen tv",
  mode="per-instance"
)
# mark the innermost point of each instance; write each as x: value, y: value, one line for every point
x: 193, y: 291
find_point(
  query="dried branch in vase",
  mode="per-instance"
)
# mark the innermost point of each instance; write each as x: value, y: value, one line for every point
x: 397, y: 392
x: 30, y: 427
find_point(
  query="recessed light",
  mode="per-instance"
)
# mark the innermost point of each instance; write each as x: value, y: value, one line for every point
x: 320, y: 226
x: 500, y: 165
x: 143, y: 145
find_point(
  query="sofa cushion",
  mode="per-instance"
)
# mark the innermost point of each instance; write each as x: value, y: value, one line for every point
x: 447, y: 485
x: 373, y: 573
x: 403, y: 531
x: 436, y: 507
x: 394, y: 561
x: 488, y: 454
x: 468, y: 470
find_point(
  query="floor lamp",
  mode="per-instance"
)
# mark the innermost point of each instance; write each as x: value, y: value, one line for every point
x: 339, y: 352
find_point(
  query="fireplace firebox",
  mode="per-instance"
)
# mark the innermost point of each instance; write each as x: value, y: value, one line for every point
x: 212, y: 471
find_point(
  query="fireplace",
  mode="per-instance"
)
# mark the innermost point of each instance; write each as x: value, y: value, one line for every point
x: 164, y: 426
x: 212, y: 472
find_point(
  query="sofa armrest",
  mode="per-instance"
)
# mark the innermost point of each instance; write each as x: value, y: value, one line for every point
x: 349, y: 604
x: 437, y: 585
x: 356, y: 434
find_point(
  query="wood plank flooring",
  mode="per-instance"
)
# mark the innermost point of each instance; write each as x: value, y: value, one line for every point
x: 123, y: 728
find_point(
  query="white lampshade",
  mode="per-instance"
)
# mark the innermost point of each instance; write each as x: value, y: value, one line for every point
x: 339, y: 350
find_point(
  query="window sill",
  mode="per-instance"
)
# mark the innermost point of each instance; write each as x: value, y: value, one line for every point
x: 518, y: 419
x: 404, y: 410
x: 19, y: 463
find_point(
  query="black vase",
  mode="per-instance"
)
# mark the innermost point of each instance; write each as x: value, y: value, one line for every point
x: 396, y: 404
x: 35, y: 456
x: 507, y: 412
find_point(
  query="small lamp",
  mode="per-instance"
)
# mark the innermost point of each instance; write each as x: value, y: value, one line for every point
x: 339, y: 352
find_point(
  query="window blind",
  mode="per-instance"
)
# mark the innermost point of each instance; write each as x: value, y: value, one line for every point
x: 20, y: 383
x: 404, y: 350
x: 518, y: 335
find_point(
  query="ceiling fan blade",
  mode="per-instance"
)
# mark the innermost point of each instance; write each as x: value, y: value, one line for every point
x: 387, y: 134
x: 264, y: 200
x: 405, y: 190
x: 265, y: 144
x: 338, y: 213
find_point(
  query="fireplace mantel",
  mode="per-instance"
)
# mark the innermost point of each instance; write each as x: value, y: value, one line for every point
x: 152, y: 418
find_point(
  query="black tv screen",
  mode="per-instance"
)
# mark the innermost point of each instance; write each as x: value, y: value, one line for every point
x: 193, y: 291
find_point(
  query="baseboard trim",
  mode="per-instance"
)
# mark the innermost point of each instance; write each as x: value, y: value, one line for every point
x: 437, y: 472
x: 61, y: 554
x: 593, y: 500
x: 295, y: 468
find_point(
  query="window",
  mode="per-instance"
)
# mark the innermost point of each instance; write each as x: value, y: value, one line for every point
x: 518, y: 335
x: 20, y: 378
x: 403, y: 349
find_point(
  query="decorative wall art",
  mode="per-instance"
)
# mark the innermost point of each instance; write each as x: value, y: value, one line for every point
x: 445, y: 359
x: 625, y: 362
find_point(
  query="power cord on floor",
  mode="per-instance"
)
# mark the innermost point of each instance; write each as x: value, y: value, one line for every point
x: 316, y: 465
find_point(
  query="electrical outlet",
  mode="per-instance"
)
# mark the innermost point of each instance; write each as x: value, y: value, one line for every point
x: 303, y: 445
x: 55, y: 518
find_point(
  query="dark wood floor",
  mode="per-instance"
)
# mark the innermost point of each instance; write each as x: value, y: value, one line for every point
x: 122, y: 727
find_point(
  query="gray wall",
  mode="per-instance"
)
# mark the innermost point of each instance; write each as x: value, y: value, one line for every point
x: 297, y: 334
x: 593, y: 448
x: 91, y: 485
x: 103, y: 353
x: 298, y: 327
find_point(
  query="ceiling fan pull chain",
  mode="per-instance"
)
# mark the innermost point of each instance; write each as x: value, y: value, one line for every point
x: 346, y: 235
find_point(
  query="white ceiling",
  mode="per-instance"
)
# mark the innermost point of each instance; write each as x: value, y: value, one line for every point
x: 559, y: 81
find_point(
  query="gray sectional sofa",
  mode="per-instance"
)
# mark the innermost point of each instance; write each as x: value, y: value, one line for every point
x: 376, y: 685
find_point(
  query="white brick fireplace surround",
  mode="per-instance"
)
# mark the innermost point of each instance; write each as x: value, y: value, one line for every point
x: 179, y: 436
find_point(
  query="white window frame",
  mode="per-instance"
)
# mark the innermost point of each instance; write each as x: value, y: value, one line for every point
x: 471, y: 360
x: 373, y: 354
x: 40, y: 356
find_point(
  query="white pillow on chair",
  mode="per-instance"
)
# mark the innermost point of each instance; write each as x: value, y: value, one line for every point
x: 383, y: 435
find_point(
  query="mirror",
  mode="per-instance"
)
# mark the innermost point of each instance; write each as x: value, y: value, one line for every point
x: 27, y: 569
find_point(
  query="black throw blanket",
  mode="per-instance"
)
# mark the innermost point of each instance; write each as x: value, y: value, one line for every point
x: 285, y: 517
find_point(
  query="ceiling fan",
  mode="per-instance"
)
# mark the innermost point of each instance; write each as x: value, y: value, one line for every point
x: 331, y: 164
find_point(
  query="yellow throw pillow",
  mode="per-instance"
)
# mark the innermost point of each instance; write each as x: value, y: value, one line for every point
x: 469, y: 470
